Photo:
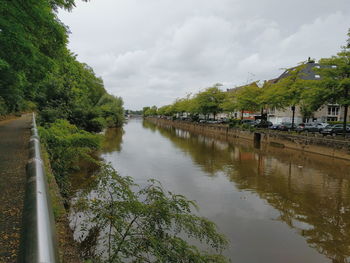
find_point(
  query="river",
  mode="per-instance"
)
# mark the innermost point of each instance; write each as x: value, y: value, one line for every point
x: 274, y: 205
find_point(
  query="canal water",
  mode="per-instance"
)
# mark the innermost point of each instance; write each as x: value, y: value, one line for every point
x: 274, y: 205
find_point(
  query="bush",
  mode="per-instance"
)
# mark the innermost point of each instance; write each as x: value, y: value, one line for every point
x: 50, y: 115
x: 66, y: 145
x: 234, y: 123
x: 337, y: 122
x: 130, y: 223
x: 29, y: 106
x: 3, y: 107
x: 96, y: 124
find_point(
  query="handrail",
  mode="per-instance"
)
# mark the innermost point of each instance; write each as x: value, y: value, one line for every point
x: 38, y: 240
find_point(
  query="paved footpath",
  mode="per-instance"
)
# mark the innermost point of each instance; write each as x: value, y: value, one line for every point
x: 14, y: 139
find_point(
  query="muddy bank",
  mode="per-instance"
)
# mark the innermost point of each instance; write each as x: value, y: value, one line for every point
x: 312, y: 144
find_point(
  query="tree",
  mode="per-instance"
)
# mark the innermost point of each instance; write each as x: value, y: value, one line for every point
x: 247, y: 98
x: 228, y: 103
x: 149, y: 111
x: 166, y: 110
x: 144, y: 224
x: 334, y: 87
x: 210, y: 100
x: 286, y: 91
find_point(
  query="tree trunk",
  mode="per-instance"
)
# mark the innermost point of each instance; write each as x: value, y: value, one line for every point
x: 242, y: 115
x: 293, y: 116
x: 345, y: 119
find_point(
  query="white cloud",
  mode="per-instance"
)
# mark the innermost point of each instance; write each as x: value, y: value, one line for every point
x: 151, y: 52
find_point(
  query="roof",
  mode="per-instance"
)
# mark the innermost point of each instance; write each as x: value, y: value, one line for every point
x: 306, y: 73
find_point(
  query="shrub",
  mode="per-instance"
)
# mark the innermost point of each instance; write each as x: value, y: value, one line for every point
x: 66, y: 145
x: 234, y: 123
x: 3, y: 107
x: 129, y: 223
x: 337, y: 122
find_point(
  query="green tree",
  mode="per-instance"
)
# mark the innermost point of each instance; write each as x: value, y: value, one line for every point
x: 287, y: 91
x: 228, y: 103
x: 210, y: 100
x: 166, y: 110
x: 188, y: 104
x: 145, y: 224
x: 149, y: 111
x: 247, y: 98
x: 334, y: 87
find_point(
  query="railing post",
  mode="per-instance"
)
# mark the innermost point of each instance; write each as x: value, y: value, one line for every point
x: 38, y: 240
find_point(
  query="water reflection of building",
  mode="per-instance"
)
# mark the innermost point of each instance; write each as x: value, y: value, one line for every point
x: 311, y: 193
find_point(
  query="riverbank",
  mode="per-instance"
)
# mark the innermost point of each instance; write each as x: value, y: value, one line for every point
x: 331, y: 147
x: 67, y: 247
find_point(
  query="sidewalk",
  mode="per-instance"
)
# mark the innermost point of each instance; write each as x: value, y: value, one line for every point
x: 14, y: 139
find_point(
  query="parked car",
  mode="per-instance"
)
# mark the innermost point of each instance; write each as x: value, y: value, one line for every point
x: 307, y: 127
x: 321, y: 125
x: 262, y: 124
x: 223, y: 120
x: 248, y: 122
x: 212, y: 121
x: 275, y: 126
x: 335, y: 129
x: 285, y: 126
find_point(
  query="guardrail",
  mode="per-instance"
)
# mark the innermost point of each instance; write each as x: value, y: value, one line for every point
x: 38, y: 240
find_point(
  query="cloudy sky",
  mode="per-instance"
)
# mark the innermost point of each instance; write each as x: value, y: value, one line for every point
x: 151, y: 52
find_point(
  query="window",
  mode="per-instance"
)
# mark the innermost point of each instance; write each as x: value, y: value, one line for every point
x: 333, y: 110
x: 332, y: 118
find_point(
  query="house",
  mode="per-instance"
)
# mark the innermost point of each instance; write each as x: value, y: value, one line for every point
x: 329, y: 112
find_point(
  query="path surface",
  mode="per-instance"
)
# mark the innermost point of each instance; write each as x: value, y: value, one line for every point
x: 14, y: 139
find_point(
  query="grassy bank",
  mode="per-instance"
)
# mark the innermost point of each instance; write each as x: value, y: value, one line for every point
x: 68, y: 248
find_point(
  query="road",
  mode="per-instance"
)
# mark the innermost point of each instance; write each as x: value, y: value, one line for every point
x: 14, y: 139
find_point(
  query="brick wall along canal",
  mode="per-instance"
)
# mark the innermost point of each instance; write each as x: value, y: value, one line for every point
x: 274, y: 205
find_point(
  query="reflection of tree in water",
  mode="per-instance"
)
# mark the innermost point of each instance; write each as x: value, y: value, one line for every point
x: 314, y: 201
x: 113, y: 140
x: 323, y: 207
x: 149, y: 125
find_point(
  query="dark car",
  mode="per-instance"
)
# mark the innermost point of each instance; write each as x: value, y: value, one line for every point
x: 223, y: 120
x: 250, y: 122
x: 335, y: 129
x: 307, y: 127
x: 285, y: 126
x: 262, y: 124
x: 275, y: 126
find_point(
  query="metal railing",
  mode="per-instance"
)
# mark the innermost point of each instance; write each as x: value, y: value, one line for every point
x: 38, y: 240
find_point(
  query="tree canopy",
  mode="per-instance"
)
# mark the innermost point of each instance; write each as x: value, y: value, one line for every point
x: 37, y: 71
